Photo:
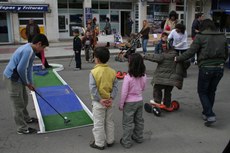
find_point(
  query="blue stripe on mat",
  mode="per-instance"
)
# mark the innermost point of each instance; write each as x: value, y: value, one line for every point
x: 62, y: 98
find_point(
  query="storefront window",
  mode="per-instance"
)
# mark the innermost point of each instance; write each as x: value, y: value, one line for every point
x: 24, y: 20
x: 95, y: 5
x: 121, y: 5
x: 76, y: 4
x: 62, y: 4
x: 104, y: 5
x: 3, y: 28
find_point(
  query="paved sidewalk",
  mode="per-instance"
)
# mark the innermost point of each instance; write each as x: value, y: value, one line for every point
x: 55, y: 50
x: 64, y: 48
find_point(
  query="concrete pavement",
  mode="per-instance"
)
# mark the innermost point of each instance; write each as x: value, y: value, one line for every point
x: 181, y: 131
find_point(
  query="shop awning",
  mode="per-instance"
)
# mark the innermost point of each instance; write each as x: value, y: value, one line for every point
x: 24, y: 8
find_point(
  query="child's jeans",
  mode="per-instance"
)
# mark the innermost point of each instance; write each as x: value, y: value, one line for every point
x: 157, y: 94
x: 103, y: 130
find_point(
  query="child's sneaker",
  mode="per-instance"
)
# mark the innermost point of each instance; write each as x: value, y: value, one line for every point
x: 32, y: 120
x: 124, y: 145
x: 28, y: 131
x: 136, y: 140
x: 153, y: 102
x: 93, y: 145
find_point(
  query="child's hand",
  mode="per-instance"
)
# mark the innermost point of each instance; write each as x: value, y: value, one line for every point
x: 120, y: 108
x: 106, y: 102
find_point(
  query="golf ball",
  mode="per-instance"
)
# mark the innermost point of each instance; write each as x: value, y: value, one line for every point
x: 65, y: 117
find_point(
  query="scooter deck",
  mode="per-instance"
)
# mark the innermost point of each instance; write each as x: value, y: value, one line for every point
x: 163, y: 107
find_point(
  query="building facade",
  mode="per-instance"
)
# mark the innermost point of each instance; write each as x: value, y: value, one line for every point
x: 57, y: 18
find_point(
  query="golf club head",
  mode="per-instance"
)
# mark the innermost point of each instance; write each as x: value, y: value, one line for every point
x: 66, y: 121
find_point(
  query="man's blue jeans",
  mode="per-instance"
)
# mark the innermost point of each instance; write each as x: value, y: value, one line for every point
x: 208, y: 79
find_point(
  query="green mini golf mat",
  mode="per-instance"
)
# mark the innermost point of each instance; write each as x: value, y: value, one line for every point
x: 50, y: 79
x: 53, y: 90
x: 55, y: 122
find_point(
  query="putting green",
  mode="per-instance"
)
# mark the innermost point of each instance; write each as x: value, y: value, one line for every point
x: 55, y: 122
x: 50, y: 79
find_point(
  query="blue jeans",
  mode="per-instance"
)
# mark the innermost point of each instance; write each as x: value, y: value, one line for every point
x: 207, y: 83
x: 144, y: 45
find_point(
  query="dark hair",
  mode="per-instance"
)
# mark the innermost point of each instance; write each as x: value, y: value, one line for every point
x: 102, y: 53
x: 198, y: 15
x: 41, y: 38
x: 181, y: 27
x: 107, y: 19
x: 164, y: 34
x: 136, y: 65
x: 76, y: 30
x: 207, y: 24
x: 173, y: 13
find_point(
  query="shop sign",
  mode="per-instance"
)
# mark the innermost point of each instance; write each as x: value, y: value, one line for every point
x: 160, y: 1
x: 24, y: 8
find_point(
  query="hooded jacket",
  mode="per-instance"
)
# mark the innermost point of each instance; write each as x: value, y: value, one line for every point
x: 211, y: 48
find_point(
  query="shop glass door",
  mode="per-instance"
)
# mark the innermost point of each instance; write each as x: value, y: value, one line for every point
x: 63, y: 24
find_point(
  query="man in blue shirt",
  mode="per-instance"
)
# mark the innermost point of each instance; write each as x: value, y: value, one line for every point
x: 17, y: 76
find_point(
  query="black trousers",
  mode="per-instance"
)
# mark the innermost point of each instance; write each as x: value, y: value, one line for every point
x: 157, y: 94
x: 78, y: 59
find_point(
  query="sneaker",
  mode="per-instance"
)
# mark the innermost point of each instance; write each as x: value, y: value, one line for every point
x: 77, y: 69
x: 136, y: 140
x: 93, y: 145
x: 110, y: 144
x: 153, y: 102
x: 28, y: 131
x: 32, y: 120
x: 204, y: 117
x: 125, y: 146
x: 210, y: 121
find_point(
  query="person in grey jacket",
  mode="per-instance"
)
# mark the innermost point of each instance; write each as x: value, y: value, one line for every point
x: 212, y: 51
x: 167, y: 75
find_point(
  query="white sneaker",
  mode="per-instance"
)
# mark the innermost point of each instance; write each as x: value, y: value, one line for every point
x: 152, y: 101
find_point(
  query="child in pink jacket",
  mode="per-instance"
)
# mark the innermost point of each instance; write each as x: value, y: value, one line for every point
x: 131, y: 102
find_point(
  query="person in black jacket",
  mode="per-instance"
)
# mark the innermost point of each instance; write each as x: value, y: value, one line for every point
x: 77, y: 48
x: 196, y: 24
x: 212, y: 51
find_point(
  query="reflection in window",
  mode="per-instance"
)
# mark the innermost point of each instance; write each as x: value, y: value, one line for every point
x: 114, y: 18
x: 102, y: 18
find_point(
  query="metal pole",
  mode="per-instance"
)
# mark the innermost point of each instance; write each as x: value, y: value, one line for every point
x: 185, y: 13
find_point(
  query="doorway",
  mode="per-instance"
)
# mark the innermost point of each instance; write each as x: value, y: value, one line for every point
x: 63, y: 24
x: 124, y: 20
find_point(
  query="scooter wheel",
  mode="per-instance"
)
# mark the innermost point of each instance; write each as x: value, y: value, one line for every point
x: 148, y: 108
x: 156, y: 111
x: 175, y: 104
